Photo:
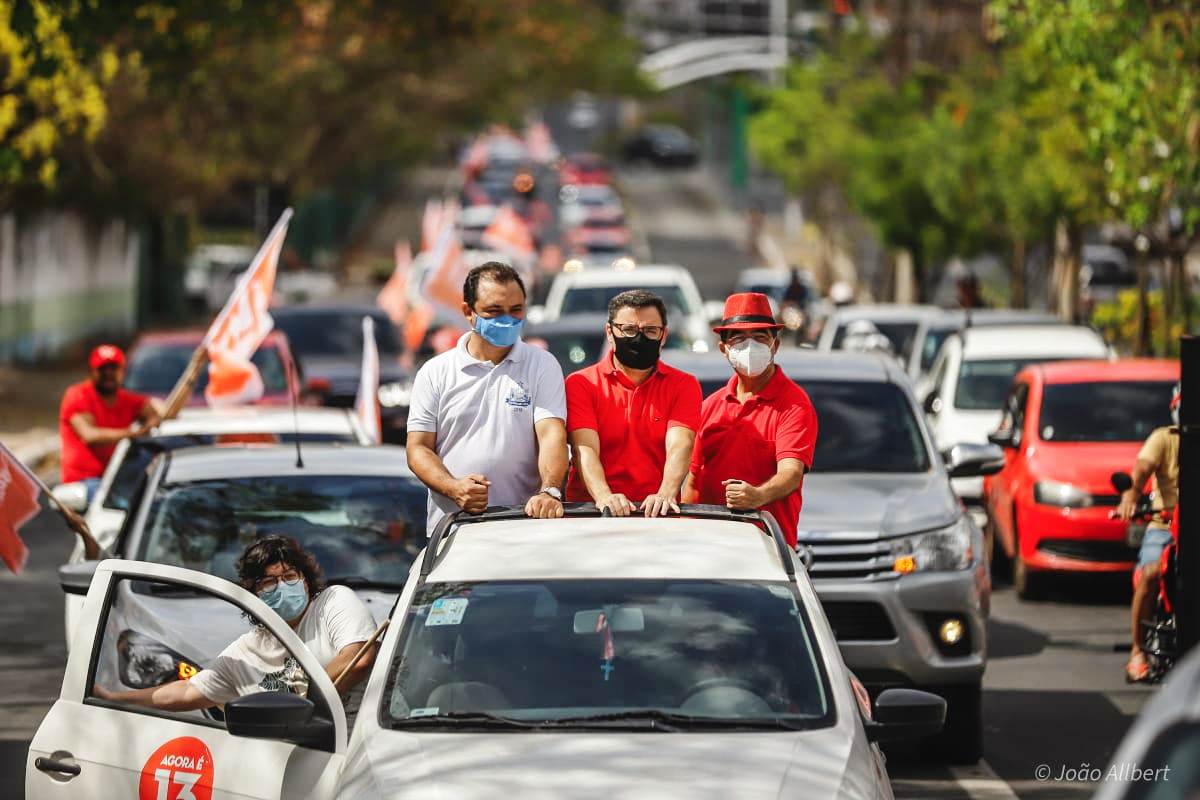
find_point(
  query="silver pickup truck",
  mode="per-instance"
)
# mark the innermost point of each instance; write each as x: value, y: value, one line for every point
x: 899, y: 568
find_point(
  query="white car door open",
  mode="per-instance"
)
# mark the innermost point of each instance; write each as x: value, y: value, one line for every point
x: 88, y: 748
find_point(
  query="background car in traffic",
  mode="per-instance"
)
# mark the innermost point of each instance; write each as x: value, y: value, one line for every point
x: 328, y: 343
x: 158, y: 360
x: 1067, y: 427
x: 662, y: 146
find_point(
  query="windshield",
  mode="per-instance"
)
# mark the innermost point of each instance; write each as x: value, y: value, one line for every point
x: 156, y: 368
x: 983, y: 384
x: 900, y: 334
x: 1106, y: 411
x: 335, y: 333
x: 865, y: 427
x: 142, y: 451
x: 931, y: 345
x: 561, y: 652
x: 595, y: 299
x: 362, y: 529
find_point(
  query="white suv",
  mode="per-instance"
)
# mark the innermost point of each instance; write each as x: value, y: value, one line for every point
x: 591, y: 634
x: 590, y: 290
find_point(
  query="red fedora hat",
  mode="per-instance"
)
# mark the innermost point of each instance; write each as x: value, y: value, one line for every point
x: 747, y: 311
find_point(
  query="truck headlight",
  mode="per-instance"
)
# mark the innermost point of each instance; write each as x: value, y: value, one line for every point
x: 944, y: 549
x: 143, y: 662
x: 1062, y: 495
x: 395, y: 394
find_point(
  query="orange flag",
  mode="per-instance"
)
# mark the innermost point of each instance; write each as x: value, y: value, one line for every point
x: 393, y: 297
x: 19, y: 493
x: 509, y: 233
x: 447, y: 270
x: 242, y: 325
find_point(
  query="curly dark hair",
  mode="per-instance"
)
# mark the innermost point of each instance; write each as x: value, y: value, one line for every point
x: 277, y: 549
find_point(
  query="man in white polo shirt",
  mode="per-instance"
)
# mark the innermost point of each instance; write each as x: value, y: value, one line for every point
x: 486, y: 421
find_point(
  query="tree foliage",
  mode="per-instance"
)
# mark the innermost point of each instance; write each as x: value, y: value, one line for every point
x: 307, y: 93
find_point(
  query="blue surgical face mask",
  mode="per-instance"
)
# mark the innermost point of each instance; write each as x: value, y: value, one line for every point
x: 288, y: 600
x: 501, y: 331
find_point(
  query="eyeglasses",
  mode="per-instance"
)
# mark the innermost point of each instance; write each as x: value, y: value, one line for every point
x: 654, y: 332
x: 291, y: 577
x: 762, y: 337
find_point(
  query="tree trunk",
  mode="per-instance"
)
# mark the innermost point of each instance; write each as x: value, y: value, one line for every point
x: 1141, y: 343
x: 904, y: 278
x: 1066, y: 269
x: 1019, y: 299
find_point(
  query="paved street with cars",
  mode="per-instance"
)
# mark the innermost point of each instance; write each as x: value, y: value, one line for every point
x: 600, y: 399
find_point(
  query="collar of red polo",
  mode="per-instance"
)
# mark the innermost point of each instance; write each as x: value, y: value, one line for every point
x: 768, y: 392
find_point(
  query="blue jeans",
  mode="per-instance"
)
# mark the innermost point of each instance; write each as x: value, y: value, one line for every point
x: 93, y: 486
x: 1153, y: 544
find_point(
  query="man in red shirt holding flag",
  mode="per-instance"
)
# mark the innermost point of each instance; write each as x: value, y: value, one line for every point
x: 758, y: 433
x: 97, y: 413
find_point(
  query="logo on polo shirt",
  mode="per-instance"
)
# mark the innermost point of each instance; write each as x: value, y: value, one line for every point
x: 519, y: 397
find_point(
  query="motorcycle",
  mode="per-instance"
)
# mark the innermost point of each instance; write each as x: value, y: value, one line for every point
x: 1160, y: 636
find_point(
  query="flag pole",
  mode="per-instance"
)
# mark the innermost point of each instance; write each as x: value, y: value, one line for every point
x: 186, y: 383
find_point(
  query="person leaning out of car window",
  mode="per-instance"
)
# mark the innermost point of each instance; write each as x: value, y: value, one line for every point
x: 758, y: 433
x: 631, y: 419
x: 332, y: 622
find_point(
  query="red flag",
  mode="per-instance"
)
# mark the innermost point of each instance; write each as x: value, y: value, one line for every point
x: 242, y: 325
x: 393, y: 297
x: 19, y: 493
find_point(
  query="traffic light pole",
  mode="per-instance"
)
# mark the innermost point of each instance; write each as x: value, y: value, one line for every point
x: 1187, y: 571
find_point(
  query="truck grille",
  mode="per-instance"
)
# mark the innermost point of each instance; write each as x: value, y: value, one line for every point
x: 859, y: 621
x: 848, y: 559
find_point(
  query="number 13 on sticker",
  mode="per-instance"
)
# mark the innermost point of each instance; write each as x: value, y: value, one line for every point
x: 181, y: 769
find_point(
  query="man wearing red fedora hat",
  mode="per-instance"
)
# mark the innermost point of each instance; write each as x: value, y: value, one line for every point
x: 96, y: 414
x: 758, y: 433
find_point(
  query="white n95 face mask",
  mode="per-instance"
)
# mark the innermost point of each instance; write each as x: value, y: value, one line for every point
x: 750, y: 358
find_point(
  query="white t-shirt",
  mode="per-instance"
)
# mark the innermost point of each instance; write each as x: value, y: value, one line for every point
x: 483, y: 415
x: 258, y: 662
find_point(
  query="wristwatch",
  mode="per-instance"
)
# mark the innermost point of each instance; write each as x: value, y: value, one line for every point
x: 552, y: 491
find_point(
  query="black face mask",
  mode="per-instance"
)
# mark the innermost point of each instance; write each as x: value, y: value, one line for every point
x: 637, y: 352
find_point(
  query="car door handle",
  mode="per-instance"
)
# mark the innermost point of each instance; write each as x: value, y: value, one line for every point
x: 54, y: 765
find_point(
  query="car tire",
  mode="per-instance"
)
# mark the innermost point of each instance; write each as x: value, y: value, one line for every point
x: 1030, y: 584
x: 998, y: 560
x: 961, y: 739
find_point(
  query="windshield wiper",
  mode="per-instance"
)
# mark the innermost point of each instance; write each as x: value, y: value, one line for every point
x: 466, y: 719
x: 668, y: 721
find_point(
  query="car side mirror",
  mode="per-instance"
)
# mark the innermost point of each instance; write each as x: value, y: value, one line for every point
x: 1121, y: 481
x: 277, y: 715
x: 906, y: 714
x: 1005, y: 437
x: 77, y: 578
x: 932, y: 404
x: 974, y: 460
x: 72, y: 495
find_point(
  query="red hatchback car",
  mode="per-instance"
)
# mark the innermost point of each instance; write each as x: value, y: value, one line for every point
x: 157, y: 360
x: 1067, y: 427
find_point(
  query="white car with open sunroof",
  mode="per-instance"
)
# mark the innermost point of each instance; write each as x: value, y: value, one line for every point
x: 583, y: 657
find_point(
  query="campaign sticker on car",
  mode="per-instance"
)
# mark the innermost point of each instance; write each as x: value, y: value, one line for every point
x: 180, y: 768
x: 446, y: 611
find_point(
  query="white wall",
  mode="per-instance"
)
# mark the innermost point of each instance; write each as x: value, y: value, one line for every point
x: 62, y: 280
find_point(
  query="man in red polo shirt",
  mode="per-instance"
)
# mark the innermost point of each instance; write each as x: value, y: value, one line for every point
x: 631, y: 419
x: 758, y: 433
x: 96, y: 414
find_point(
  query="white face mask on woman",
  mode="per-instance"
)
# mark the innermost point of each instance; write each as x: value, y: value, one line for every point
x: 750, y: 358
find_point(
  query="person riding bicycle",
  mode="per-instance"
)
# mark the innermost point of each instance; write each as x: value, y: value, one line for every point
x: 1158, y: 459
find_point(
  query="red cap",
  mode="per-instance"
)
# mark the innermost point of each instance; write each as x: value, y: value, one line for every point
x: 106, y: 354
x: 747, y: 311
